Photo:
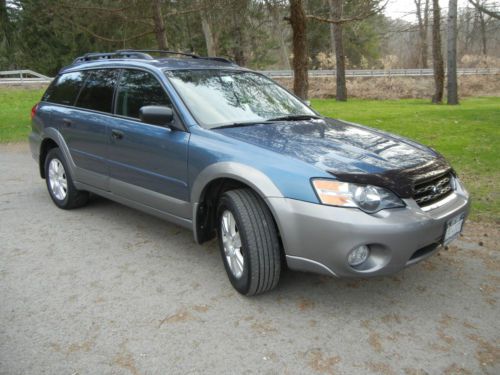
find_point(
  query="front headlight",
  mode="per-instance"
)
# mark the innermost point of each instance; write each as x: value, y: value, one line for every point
x: 368, y: 198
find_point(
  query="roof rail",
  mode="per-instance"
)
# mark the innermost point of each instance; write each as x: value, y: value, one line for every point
x: 143, y: 54
x: 112, y: 55
x: 216, y: 58
x: 159, y: 51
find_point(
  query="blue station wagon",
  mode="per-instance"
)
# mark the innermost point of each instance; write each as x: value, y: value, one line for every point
x: 229, y: 153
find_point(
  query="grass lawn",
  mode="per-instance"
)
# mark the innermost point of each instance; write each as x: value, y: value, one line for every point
x: 15, y: 112
x: 468, y: 135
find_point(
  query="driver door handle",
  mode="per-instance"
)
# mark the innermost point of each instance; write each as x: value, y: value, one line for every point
x: 116, y: 134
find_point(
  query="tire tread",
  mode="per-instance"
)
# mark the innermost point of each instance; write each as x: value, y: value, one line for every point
x: 262, y: 240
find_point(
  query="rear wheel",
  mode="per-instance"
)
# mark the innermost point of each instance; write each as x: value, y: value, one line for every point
x: 60, y: 184
x: 249, y: 243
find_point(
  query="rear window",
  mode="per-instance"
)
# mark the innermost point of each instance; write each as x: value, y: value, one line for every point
x: 65, y: 88
x: 97, y: 94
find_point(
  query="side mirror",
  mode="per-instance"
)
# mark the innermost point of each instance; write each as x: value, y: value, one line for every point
x: 308, y: 103
x: 156, y: 115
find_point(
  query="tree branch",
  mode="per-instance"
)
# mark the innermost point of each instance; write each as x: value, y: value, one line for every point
x: 369, y: 12
x: 95, y: 35
x: 484, y: 10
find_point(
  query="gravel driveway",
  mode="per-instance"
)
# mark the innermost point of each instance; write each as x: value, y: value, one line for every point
x: 109, y: 290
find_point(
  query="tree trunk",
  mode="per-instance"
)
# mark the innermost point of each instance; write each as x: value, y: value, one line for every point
x: 452, y: 53
x: 467, y: 36
x: 437, y: 55
x: 423, y: 24
x: 300, y: 54
x: 336, y: 14
x: 483, y: 33
x: 278, y: 29
x: 425, y: 62
x: 207, y: 32
x: 159, y: 25
x: 239, y: 13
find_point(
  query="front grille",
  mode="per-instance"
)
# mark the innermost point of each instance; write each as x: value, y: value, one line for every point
x: 431, y: 191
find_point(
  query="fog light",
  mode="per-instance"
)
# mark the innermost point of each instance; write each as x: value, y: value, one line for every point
x: 358, y: 255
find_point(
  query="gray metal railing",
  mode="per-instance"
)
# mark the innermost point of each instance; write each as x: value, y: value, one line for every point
x: 380, y: 72
x: 26, y: 76
x: 23, y: 76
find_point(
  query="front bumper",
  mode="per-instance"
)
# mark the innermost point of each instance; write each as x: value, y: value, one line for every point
x: 318, y: 238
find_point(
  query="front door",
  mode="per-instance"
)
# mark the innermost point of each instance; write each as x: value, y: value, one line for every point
x: 147, y: 163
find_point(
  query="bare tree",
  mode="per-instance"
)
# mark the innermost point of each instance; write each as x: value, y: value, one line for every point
x: 452, y: 53
x: 298, y: 21
x: 423, y: 25
x: 437, y: 55
x: 207, y: 30
x: 274, y: 7
x: 483, y: 9
x: 482, y: 27
x: 365, y: 9
x: 159, y: 25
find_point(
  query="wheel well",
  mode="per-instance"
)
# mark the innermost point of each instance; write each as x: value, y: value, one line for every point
x: 46, y: 146
x: 206, y: 213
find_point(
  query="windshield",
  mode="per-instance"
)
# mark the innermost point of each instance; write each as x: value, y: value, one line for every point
x: 223, y: 97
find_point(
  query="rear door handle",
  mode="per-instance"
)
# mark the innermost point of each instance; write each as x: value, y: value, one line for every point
x: 67, y: 122
x: 116, y: 134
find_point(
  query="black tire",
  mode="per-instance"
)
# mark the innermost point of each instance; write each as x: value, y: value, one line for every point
x: 73, y: 198
x: 260, y: 245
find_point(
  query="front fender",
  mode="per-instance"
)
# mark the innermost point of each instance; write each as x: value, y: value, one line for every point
x: 250, y: 176
x: 257, y: 180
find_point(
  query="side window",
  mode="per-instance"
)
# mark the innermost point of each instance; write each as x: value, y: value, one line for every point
x: 97, y: 93
x: 65, y: 88
x: 138, y: 88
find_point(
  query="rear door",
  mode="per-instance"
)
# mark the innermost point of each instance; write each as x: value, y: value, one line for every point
x: 84, y: 127
x: 147, y: 163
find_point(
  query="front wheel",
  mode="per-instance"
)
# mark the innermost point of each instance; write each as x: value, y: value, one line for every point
x: 249, y: 243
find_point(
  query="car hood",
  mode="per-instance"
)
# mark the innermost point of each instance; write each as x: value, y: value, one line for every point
x: 348, y: 151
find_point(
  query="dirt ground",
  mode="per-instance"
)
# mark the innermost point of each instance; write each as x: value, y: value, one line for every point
x: 109, y: 290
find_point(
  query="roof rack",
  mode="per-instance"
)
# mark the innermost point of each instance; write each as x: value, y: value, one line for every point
x: 143, y: 54
x: 166, y: 52
x: 112, y: 55
x: 159, y: 51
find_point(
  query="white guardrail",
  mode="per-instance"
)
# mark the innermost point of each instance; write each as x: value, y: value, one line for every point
x: 381, y: 72
x: 26, y: 76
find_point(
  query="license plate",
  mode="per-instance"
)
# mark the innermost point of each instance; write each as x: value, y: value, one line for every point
x: 453, y: 228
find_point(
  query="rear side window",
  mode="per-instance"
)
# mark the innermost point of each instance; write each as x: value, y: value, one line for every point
x: 138, y: 88
x: 97, y: 94
x: 65, y: 88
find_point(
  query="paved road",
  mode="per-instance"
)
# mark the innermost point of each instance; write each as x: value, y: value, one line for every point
x: 108, y: 290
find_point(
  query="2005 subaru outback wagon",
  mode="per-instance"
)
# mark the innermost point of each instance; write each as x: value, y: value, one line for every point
x: 226, y: 152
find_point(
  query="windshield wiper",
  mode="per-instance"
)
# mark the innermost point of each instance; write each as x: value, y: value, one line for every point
x: 281, y: 118
x: 294, y: 118
x: 238, y: 124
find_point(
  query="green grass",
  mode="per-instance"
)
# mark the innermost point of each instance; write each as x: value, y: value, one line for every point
x: 468, y: 135
x: 15, y: 110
